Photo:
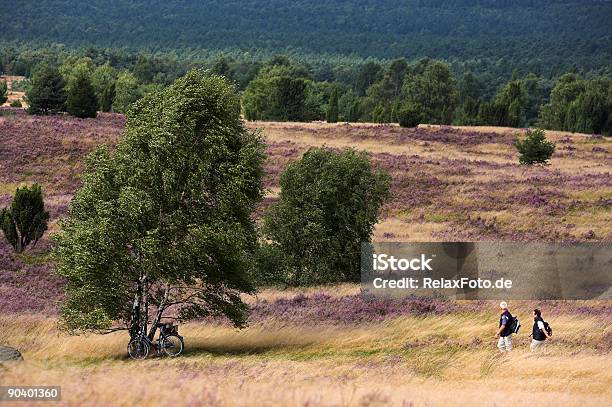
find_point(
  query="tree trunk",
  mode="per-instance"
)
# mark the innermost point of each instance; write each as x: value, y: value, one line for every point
x: 158, y: 314
x: 135, y: 319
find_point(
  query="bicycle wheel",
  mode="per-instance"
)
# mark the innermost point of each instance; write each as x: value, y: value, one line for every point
x: 138, y: 348
x: 172, y: 345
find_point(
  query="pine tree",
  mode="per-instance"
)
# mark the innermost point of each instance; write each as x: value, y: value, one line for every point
x: 534, y: 148
x: 82, y: 101
x: 25, y: 221
x: 46, y: 93
x: 3, y: 92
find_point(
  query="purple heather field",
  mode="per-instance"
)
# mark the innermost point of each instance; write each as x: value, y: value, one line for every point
x: 447, y: 185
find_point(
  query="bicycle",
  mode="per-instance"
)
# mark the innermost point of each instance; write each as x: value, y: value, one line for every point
x: 169, y: 342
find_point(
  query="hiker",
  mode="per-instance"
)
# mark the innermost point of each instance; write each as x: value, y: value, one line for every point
x: 504, y: 333
x: 541, y: 331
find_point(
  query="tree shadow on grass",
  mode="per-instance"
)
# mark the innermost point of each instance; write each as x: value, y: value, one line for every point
x: 243, y: 349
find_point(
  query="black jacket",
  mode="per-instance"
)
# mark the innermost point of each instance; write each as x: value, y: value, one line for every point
x: 537, y: 333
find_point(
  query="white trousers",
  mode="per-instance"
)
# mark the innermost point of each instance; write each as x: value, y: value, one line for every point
x: 505, y: 343
x: 536, y: 344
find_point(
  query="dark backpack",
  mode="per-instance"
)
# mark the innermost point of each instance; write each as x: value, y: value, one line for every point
x: 515, y: 325
x: 548, y: 328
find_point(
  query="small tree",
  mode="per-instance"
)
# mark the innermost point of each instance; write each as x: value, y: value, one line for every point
x: 103, y: 81
x: 328, y: 206
x: 164, y: 223
x: 433, y: 91
x: 3, y: 92
x: 25, y: 221
x: 82, y: 101
x: 46, y: 93
x: 277, y: 93
x: 534, y: 148
x: 125, y: 91
x: 332, y: 108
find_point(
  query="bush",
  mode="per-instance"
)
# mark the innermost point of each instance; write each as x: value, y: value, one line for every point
x: 328, y: 206
x: 26, y: 219
x: 409, y: 115
x: 16, y: 103
x: 534, y: 148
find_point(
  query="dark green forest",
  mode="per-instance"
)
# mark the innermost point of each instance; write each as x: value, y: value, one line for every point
x: 545, y: 37
x: 483, y: 62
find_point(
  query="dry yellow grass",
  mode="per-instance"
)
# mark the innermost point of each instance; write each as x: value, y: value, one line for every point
x: 441, y: 360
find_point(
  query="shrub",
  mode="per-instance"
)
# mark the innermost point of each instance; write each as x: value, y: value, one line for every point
x: 409, y: 115
x: 328, y: 206
x: 16, y: 103
x: 26, y: 219
x: 534, y: 148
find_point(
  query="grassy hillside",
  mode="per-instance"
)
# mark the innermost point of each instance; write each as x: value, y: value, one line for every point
x: 447, y: 184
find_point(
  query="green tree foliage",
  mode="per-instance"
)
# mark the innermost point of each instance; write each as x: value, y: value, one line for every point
x: 46, y: 93
x: 165, y: 221
x: 277, y: 93
x: 75, y: 67
x: 432, y: 92
x: 410, y: 115
x: 222, y: 67
x: 508, y: 107
x: 377, y: 104
x: 534, y: 148
x: 547, y: 37
x: 82, y: 101
x: 348, y: 106
x: 332, y: 107
x: 103, y: 80
x: 328, y: 206
x: 126, y: 92
x: 537, y: 93
x: 397, y: 72
x: 469, y: 100
x: 143, y: 70
x: 3, y: 92
x: 566, y: 91
x: 316, y: 100
x: 368, y: 74
x: 579, y: 105
x: 25, y: 221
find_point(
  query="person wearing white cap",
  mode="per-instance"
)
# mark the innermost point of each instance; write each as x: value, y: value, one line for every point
x: 504, y: 333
